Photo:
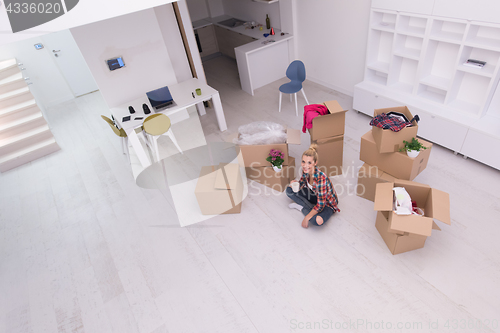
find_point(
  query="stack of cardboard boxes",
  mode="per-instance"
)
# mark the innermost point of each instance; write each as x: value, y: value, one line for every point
x: 328, y: 133
x: 387, y: 167
x: 383, y: 160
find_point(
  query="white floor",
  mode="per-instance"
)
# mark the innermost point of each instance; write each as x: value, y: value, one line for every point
x: 84, y: 249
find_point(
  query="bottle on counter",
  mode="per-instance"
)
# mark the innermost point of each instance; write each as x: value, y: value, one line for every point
x: 268, y: 22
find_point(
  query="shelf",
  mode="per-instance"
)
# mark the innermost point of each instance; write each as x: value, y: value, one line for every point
x: 431, y: 94
x: 379, y: 66
x: 412, y: 25
x: 448, y: 31
x: 439, y: 63
x: 403, y: 74
x: 376, y: 77
x: 385, y: 21
x: 486, y: 71
x: 436, y: 82
x: 408, y: 46
x: 484, y: 36
x: 469, y: 90
x: 380, y: 48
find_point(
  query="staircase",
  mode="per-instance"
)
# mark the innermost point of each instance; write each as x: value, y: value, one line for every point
x: 24, y: 133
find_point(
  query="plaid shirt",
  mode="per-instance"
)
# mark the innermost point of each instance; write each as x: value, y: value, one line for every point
x: 323, y: 189
x: 387, y: 122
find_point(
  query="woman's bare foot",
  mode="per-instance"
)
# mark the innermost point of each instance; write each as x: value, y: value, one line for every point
x: 319, y: 220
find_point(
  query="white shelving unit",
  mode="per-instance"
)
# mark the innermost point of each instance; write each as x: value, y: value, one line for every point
x: 417, y: 60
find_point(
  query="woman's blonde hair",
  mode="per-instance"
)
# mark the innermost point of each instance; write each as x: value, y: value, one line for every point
x: 312, y: 152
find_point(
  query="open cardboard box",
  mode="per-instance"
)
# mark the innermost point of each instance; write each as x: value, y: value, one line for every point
x: 397, y: 242
x: 219, y: 189
x: 368, y: 178
x: 388, y: 141
x: 276, y: 180
x: 255, y: 155
x: 330, y: 153
x: 435, y: 203
x: 328, y: 125
x: 398, y: 164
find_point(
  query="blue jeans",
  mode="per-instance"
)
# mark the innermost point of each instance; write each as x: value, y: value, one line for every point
x: 307, y: 199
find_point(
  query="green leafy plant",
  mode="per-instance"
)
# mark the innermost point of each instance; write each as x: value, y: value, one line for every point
x: 414, y: 144
x: 276, y: 158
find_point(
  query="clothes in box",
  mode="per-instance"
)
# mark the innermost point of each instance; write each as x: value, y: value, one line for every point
x: 330, y: 155
x: 388, y: 141
x: 368, y: 178
x: 276, y: 180
x: 396, y: 164
x: 435, y: 204
x: 219, y: 189
x: 329, y: 125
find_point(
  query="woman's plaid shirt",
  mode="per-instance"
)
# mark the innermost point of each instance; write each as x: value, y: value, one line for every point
x: 323, y: 189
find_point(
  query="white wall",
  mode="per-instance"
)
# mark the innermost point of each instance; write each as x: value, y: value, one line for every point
x: 173, y: 41
x: 331, y: 40
x: 85, y: 12
x: 138, y: 39
x: 253, y: 11
x: 215, y: 8
x: 49, y: 86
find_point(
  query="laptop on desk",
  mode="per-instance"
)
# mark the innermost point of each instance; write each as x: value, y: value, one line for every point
x: 160, y: 99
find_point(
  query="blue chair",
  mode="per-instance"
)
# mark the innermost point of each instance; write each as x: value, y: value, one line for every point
x: 296, y: 72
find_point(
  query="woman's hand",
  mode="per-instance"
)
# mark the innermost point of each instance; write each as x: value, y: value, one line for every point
x: 305, y: 222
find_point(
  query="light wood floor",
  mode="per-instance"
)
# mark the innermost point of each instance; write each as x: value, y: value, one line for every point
x: 83, y: 249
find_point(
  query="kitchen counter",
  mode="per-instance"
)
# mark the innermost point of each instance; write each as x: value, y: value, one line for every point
x: 259, y: 62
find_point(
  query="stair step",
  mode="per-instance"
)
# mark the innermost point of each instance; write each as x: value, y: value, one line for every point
x: 11, y: 83
x: 8, y: 68
x: 22, y: 136
x: 15, y: 97
x: 6, y: 64
x: 20, y: 121
x: 28, y: 154
x: 14, y: 93
x: 17, y: 107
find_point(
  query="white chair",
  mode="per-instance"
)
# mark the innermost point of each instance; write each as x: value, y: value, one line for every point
x: 154, y: 126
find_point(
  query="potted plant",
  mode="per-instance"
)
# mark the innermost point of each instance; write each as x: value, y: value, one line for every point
x: 276, y: 158
x: 413, y: 147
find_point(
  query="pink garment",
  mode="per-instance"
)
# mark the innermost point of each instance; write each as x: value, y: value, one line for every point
x: 311, y: 111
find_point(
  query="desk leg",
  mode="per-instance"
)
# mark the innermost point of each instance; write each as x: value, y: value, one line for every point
x: 141, y: 154
x: 219, y: 112
x: 201, y: 109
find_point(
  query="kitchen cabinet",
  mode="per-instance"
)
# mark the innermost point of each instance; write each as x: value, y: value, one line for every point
x: 227, y: 40
x: 207, y: 41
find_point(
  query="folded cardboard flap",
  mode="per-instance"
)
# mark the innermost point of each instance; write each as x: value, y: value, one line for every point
x: 383, y: 197
x: 414, y: 224
x: 440, y: 206
x: 293, y: 136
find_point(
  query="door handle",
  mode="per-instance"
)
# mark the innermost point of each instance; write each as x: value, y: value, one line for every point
x: 56, y: 51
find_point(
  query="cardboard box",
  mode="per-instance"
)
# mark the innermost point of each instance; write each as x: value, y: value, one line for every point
x: 388, y: 141
x: 368, y: 178
x: 276, y: 180
x: 219, y: 189
x: 396, y: 164
x: 330, y: 153
x: 435, y: 203
x: 255, y: 155
x: 398, y: 243
x: 329, y: 125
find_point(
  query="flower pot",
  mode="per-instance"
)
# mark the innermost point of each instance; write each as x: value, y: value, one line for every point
x: 277, y: 169
x: 412, y: 153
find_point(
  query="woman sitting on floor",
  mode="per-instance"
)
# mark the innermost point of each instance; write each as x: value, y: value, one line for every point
x: 316, y: 198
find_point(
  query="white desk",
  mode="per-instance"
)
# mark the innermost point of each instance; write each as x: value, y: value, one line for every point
x: 183, y: 98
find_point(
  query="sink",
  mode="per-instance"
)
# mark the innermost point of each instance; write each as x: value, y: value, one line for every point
x: 232, y: 23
